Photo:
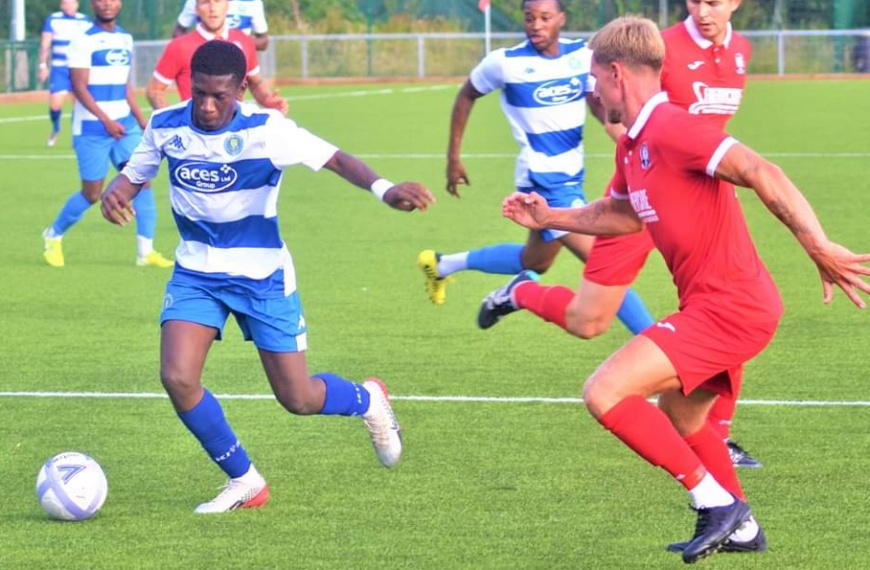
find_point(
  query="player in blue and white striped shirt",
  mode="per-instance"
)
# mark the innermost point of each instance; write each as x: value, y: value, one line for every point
x: 58, y: 31
x: 226, y: 161
x: 545, y: 89
x: 107, y: 126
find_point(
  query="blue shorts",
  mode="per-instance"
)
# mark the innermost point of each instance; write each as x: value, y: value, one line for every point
x: 95, y: 151
x: 59, y: 81
x: 276, y: 325
x: 562, y: 197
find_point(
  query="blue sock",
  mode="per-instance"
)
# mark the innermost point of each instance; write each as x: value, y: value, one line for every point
x: 343, y: 397
x: 504, y: 258
x: 72, y: 212
x: 146, y: 213
x: 55, y: 119
x: 207, y: 423
x: 633, y: 313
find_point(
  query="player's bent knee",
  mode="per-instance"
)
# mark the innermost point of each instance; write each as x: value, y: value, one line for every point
x: 599, y: 396
x: 579, y: 323
x: 185, y: 392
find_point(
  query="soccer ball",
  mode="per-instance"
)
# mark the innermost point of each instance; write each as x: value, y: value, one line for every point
x: 71, y: 486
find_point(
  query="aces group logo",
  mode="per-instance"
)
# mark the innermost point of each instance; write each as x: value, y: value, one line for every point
x: 558, y: 91
x: 200, y: 176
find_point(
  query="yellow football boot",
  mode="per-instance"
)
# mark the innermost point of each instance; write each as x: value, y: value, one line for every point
x: 436, y: 286
x: 53, y: 253
x: 154, y: 259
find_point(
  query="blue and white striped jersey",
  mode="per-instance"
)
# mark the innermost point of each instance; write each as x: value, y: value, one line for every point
x: 108, y: 55
x: 224, y: 188
x: 544, y: 100
x: 246, y: 15
x: 63, y: 29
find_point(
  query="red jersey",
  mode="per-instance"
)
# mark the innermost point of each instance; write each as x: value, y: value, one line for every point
x: 701, y: 77
x: 174, y: 64
x: 694, y: 219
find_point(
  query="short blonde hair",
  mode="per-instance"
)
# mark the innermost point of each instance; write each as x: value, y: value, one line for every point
x: 632, y: 40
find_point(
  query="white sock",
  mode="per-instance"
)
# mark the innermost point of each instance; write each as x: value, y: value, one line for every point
x: 251, y: 477
x: 144, y: 245
x: 452, y: 263
x: 49, y: 233
x: 745, y: 532
x: 708, y: 493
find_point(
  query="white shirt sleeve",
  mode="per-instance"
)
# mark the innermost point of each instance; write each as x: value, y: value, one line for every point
x: 258, y: 18
x: 79, y: 52
x: 488, y: 75
x: 187, y: 18
x: 590, y: 81
x: 291, y: 144
x: 144, y: 163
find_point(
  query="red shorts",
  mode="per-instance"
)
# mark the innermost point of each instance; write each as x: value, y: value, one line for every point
x: 708, y: 348
x: 616, y: 260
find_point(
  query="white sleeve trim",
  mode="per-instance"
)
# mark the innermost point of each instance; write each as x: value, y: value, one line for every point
x: 162, y: 79
x: 717, y: 157
x: 618, y: 195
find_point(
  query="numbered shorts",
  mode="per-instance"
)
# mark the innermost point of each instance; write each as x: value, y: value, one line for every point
x: 273, y: 324
x: 94, y: 152
x: 562, y: 197
x: 59, y: 81
x: 708, y: 349
x: 617, y: 260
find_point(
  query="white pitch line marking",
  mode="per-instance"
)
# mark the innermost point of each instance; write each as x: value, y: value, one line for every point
x: 421, y: 398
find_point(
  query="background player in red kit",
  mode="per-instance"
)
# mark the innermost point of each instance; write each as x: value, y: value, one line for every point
x: 704, y: 72
x: 174, y: 64
x: 681, y: 188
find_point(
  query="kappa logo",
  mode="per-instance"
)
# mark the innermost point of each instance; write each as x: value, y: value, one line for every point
x: 666, y: 325
x: 176, y: 143
x: 695, y: 65
x: 559, y: 91
x: 201, y: 176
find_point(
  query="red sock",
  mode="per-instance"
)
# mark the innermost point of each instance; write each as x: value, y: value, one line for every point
x: 547, y: 301
x: 649, y: 432
x: 713, y: 453
x: 720, y: 415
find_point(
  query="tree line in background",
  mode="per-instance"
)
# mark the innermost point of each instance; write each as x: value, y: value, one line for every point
x: 154, y: 19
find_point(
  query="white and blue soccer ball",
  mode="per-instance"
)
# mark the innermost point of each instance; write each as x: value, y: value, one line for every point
x: 71, y: 486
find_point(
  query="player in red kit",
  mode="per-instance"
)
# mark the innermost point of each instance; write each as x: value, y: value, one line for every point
x: 174, y: 64
x: 704, y: 72
x: 682, y: 189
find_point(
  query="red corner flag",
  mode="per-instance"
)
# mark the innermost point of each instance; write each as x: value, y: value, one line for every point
x: 483, y: 5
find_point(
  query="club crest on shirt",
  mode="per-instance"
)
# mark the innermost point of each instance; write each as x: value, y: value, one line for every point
x: 740, y: 62
x: 233, y: 144
x: 574, y: 62
x: 644, y: 156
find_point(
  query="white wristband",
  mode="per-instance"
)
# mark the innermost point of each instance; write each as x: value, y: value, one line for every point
x: 43, y: 66
x: 380, y: 186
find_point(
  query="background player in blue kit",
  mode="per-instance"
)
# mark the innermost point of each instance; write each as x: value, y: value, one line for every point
x: 107, y: 126
x: 58, y: 31
x: 226, y: 161
x: 545, y: 90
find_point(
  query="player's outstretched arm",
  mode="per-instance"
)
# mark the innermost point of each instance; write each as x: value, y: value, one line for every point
x: 606, y: 216
x: 271, y: 99
x: 836, y: 264
x: 117, y: 201
x: 456, y: 173
x: 405, y: 196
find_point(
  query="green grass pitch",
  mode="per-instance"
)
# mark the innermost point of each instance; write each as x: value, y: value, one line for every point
x: 483, y: 484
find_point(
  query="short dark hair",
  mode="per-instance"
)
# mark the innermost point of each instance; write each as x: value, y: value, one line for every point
x: 559, y: 3
x: 217, y: 57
